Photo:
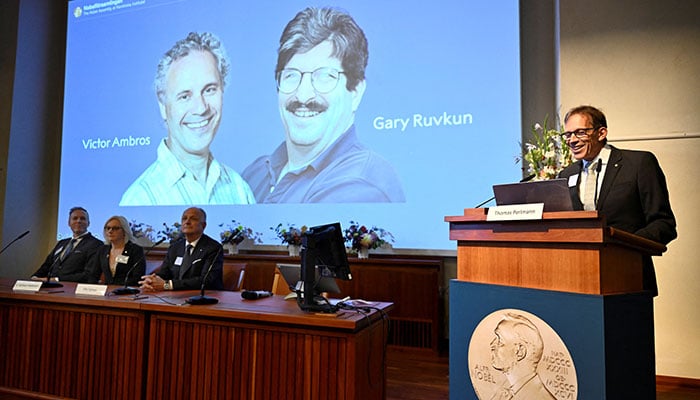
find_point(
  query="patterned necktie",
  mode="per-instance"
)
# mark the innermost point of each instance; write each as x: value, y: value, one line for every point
x: 68, y: 249
x: 591, y: 187
x: 186, y: 260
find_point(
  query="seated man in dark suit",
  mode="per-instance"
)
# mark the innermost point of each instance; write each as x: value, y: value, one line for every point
x: 69, y: 258
x: 627, y: 187
x: 190, y: 260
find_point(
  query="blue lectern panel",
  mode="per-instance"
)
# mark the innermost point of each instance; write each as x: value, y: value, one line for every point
x: 527, y: 343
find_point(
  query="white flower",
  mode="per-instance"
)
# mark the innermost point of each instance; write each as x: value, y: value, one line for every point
x: 545, y: 155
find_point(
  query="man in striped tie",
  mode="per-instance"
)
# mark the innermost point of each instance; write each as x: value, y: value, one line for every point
x: 67, y: 260
x: 627, y: 187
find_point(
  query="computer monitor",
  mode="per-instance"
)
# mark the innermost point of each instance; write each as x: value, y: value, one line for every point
x: 323, y: 254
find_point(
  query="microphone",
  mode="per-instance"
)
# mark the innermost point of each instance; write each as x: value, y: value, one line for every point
x: 598, y: 168
x: 16, y: 239
x: 202, y: 299
x: 255, y: 294
x: 130, y: 290
x: 525, y: 179
x: 528, y: 178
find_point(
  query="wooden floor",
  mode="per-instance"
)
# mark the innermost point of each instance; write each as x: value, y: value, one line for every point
x: 421, y: 376
x: 412, y: 376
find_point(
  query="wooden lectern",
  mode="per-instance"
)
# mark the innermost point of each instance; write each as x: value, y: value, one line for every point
x: 564, y: 266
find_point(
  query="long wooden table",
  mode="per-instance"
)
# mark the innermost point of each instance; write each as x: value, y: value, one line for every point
x: 414, y: 284
x: 63, y: 345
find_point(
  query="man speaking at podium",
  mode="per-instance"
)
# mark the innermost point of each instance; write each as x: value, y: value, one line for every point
x: 628, y: 187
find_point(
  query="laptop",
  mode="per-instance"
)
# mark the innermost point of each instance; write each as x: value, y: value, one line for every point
x: 292, y: 274
x: 554, y: 193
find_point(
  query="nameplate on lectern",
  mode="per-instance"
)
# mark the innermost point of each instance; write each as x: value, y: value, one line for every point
x: 515, y: 212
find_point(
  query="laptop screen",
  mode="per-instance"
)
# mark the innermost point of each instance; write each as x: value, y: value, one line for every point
x: 554, y: 193
x: 292, y: 274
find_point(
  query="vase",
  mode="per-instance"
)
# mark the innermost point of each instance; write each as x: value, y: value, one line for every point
x: 363, y: 253
x: 294, y: 250
x: 231, y: 248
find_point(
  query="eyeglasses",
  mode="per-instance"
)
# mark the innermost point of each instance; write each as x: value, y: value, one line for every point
x: 323, y: 79
x: 579, y: 133
x: 112, y: 228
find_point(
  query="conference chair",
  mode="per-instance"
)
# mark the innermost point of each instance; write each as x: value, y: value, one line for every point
x: 234, y: 276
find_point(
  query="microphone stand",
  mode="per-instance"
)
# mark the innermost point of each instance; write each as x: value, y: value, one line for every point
x: 130, y: 290
x: 16, y: 239
x: 48, y: 283
x: 44, y: 284
x: 598, y: 168
x: 202, y: 299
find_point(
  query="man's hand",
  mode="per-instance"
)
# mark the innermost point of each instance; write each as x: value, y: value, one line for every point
x: 152, y: 282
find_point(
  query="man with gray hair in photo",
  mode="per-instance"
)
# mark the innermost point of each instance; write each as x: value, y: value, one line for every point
x: 189, y: 84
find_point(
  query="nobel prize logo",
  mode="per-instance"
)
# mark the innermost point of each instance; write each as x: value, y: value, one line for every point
x: 514, y: 355
x: 77, y: 12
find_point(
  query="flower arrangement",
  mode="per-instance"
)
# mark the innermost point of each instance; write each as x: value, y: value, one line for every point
x: 547, y: 154
x: 143, y: 231
x: 291, y: 235
x: 170, y: 232
x: 359, y: 237
x: 236, y: 232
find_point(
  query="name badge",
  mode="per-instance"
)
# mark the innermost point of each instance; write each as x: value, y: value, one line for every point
x: 178, y: 261
x: 573, y: 180
x: 122, y: 259
x: 87, y: 289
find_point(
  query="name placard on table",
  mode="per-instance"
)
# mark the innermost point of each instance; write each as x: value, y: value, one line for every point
x: 27, y: 286
x: 87, y: 289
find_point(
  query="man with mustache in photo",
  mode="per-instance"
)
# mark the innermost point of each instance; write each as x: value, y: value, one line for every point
x: 320, y: 83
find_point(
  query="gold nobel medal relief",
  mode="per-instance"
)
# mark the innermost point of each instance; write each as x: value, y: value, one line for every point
x: 515, y: 355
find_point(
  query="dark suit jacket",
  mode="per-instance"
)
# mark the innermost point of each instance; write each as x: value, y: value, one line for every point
x: 100, y: 265
x: 633, y: 197
x: 73, y: 267
x: 208, y: 252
